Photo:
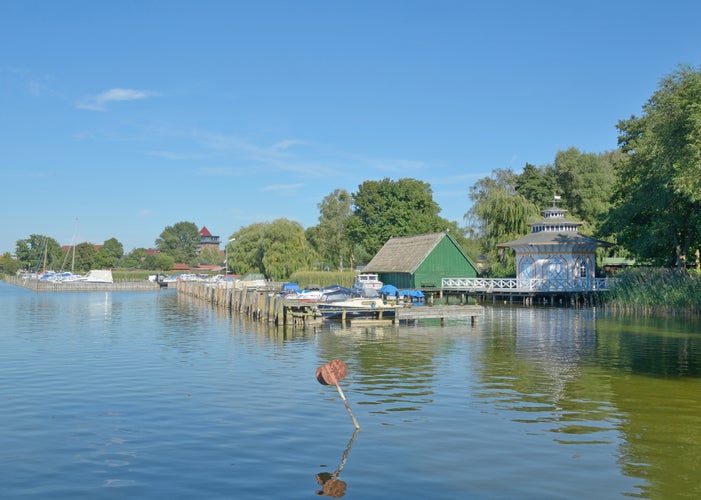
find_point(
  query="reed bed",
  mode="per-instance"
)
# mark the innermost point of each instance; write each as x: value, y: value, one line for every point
x: 323, y: 278
x: 655, y: 291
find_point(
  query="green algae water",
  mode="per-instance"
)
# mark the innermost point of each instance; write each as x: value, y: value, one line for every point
x: 153, y: 395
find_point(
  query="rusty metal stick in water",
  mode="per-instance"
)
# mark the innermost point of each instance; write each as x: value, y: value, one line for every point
x: 331, y: 373
x: 345, y: 402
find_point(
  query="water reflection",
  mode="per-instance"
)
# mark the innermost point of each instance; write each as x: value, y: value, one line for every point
x: 331, y: 485
x: 393, y: 372
x: 631, y: 382
x: 160, y: 393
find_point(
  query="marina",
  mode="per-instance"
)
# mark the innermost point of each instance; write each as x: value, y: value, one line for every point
x: 274, y: 308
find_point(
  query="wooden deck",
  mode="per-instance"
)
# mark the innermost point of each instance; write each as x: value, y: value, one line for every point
x: 397, y: 315
x: 442, y: 312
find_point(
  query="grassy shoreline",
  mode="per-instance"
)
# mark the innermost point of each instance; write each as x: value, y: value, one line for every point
x: 655, y: 291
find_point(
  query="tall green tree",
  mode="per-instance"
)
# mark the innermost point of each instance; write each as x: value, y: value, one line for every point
x: 134, y: 259
x: 180, y: 241
x: 109, y: 254
x: 85, y: 257
x: 657, y: 197
x: 210, y: 255
x: 9, y: 265
x: 585, y: 181
x: 386, y: 208
x: 276, y: 249
x: 287, y: 249
x: 158, y: 262
x: 39, y: 251
x: 330, y: 237
x: 246, y: 252
x: 537, y: 184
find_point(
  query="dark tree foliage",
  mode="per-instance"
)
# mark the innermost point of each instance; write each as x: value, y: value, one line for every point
x: 39, y: 251
x: 109, y: 254
x: 585, y: 181
x: 656, y: 212
x: 387, y: 208
x: 180, y: 241
x: 537, y: 185
x: 498, y: 214
x: 329, y: 237
x: 276, y: 249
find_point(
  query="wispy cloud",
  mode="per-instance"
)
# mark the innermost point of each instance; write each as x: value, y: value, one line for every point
x: 99, y: 102
x: 279, y: 156
x: 282, y: 187
x: 36, y: 85
x: 171, y: 155
x: 396, y: 165
x: 219, y: 171
x: 286, y: 144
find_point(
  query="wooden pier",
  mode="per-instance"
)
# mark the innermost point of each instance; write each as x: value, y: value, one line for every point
x: 269, y: 306
x: 442, y: 312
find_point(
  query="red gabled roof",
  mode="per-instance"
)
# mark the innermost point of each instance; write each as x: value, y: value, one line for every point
x: 179, y: 266
x: 205, y: 232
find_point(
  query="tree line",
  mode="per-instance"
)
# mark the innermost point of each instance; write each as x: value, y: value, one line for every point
x: 352, y: 227
x: 644, y: 197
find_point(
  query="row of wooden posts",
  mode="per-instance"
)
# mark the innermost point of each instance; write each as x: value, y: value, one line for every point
x: 261, y: 305
x: 270, y: 306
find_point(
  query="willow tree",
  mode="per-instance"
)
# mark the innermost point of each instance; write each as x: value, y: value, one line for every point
x: 499, y: 214
x: 329, y: 237
x: 276, y: 249
x: 657, y: 197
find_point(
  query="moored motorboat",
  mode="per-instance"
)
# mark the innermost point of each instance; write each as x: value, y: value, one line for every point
x: 356, y: 306
x: 367, y: 284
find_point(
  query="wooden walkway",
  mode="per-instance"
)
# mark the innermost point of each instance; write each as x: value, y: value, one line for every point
x: 269, y: 306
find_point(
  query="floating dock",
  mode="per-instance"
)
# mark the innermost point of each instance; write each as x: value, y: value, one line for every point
x: 442, y: 312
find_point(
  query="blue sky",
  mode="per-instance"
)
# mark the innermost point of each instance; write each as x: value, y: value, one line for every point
x: 121, y: 118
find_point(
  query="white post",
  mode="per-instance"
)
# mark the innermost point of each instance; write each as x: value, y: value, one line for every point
x: 226, y: 258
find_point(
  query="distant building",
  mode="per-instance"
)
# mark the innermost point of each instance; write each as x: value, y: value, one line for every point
x: 421, y: 261
x: 207, y: 240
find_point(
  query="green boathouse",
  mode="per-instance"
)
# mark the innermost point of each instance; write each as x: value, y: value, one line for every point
x: 421, y: 261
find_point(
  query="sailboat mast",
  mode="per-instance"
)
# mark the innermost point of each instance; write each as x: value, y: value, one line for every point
x: 75, y: 234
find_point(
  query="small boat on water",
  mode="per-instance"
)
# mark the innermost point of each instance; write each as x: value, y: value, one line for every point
x: 367, y: 284
x: 355, y: 307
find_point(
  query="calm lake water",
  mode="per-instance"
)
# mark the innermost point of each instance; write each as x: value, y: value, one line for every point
x: 153, y: 395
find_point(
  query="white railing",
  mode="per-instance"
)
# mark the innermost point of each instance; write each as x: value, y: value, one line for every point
x: 491, y: 285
